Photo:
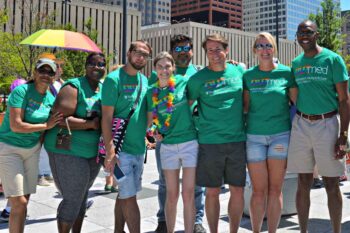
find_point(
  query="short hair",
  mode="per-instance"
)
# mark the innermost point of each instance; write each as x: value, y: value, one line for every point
x: 133, y: 45
x: 94, y: 54
x: 162, y: 55
x: 306, y: 21
x: 179, y: 38
x: 217, y: 38
x: 267, y: 36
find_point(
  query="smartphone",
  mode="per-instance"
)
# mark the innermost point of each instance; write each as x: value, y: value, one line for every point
x: 118, y: 173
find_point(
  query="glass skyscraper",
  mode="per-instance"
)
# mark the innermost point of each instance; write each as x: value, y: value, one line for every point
x: 260, y: 15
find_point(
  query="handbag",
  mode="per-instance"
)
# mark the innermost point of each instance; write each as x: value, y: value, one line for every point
x: 119, y: 126
x: 64, y: 140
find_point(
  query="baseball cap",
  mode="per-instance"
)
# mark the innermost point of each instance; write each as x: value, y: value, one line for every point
x: 45, y: 61
x: 52, y: 57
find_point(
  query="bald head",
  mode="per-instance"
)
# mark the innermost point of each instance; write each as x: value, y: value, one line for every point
x: 307, y: 23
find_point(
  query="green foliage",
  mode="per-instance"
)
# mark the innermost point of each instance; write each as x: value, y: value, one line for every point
x: 329, y: 25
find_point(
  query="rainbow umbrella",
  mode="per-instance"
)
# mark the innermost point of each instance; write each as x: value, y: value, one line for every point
x: 61, y: 39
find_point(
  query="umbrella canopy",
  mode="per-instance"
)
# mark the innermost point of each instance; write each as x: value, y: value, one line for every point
x: 61, y: 39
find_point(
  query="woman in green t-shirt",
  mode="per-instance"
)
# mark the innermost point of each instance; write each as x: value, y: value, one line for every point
x: 27, y: 117
x: 170, y: 113
x: 72, y: 146
x: 268, y: 88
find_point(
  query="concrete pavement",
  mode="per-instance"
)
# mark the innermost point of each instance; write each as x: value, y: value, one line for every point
x: 99, y: 219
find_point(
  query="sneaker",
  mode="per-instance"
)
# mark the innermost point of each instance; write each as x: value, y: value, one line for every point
x: 110, y: 188
x: 89, y: 204
x: 318, y: 183
x: 198, y: 228
x: 49, y: 178
x: 43, y: 182
x: 4, y: 216
x: 161, y: 228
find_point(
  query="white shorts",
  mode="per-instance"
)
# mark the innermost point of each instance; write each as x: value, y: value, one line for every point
x: 173, y: 156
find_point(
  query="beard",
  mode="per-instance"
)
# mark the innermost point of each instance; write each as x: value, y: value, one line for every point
x: 135, y: 65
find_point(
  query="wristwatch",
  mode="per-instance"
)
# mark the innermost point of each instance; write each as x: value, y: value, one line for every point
x: 344, y: 133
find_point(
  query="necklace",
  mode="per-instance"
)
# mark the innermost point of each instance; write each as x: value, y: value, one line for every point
x: 169, y: 104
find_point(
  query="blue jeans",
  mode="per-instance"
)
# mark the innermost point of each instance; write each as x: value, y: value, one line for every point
x: 199, y: 193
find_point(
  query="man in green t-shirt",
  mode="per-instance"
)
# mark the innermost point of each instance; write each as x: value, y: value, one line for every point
x: 181, y: 50
x: 322, y: 82
x: 119, y: 93
x: 218, y: 88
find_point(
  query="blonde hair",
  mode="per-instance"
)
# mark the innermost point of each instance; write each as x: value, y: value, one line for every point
x: 267, y: 36
x: 162, y: 55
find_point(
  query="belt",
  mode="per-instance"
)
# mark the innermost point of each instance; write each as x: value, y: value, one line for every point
x: 317, y: 117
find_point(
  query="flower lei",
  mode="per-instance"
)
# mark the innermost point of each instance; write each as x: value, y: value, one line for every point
x: 169, y: 105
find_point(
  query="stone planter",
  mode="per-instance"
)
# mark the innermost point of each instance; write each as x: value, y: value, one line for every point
x: 289, y: 192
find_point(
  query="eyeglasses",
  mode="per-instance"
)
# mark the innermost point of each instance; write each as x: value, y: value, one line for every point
x: 263, y: 46
x: 305, y: 33
x: 180, y: 49
x: 138, y: 53
x: 100, y: 65
x: 46, y: 72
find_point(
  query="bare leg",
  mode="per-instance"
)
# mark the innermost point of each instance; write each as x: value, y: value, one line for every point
x: 78, y: 223
x: 303, y: 199
x: 119, y: 221
x: 335, y: 202
x: 259, y: 176
x: 212, y: 208
x: 188, y: 184
x: 235, y: 207
x: 63, y: 227
x: 277, y: 171
x: 18, y: 213
x: 172, y: 196
x: 131, y: 213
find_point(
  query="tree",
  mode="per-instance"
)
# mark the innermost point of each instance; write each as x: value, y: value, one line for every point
x: 329, y: 25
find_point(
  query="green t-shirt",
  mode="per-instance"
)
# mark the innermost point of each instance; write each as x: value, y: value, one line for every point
x: 186, y: 72
x: 220, y: 104
x: 268, y: 99
x: 316, y: 78
x: 84, y: 143
x: 36, y: 110
x: 120, y: 91
x: 181, y: 127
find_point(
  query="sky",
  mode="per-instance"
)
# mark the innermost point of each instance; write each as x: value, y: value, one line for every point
x: 345, y: 5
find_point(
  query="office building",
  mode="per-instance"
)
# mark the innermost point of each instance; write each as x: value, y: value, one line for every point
x: 106, y: 20
x: 346, y: 31
x: 260, y: 15
x: 152, y: 11
x: 224, y: 13
x: 240, y: 43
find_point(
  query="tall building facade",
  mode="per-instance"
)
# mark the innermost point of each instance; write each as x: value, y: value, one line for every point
x: 346, y: 30
x: 224, y: 13
x: 260, y: 15
x: 105, y: 19
x: 153, y: 11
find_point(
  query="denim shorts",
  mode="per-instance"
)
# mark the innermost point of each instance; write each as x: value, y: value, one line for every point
x: 132, y: 167
x: 173, y: 156
x: 263, y: 147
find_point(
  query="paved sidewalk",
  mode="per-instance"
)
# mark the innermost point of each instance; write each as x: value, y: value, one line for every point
x: 43, y: 205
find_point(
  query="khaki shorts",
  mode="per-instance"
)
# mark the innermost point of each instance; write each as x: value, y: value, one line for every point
x: 19, y: 169
x: 312, y: 143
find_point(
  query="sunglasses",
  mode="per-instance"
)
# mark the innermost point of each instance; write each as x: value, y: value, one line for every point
x: 100, y: 65
x: 180, y: 49
x: 306, y: 33
x: 138, y: 53
x: 46, y: 72
x: 263, y: 46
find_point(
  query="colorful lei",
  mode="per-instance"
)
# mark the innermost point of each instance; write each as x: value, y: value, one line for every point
x: 169, y: 105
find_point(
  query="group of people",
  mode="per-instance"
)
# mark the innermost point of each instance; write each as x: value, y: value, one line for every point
x: 214, y: 122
